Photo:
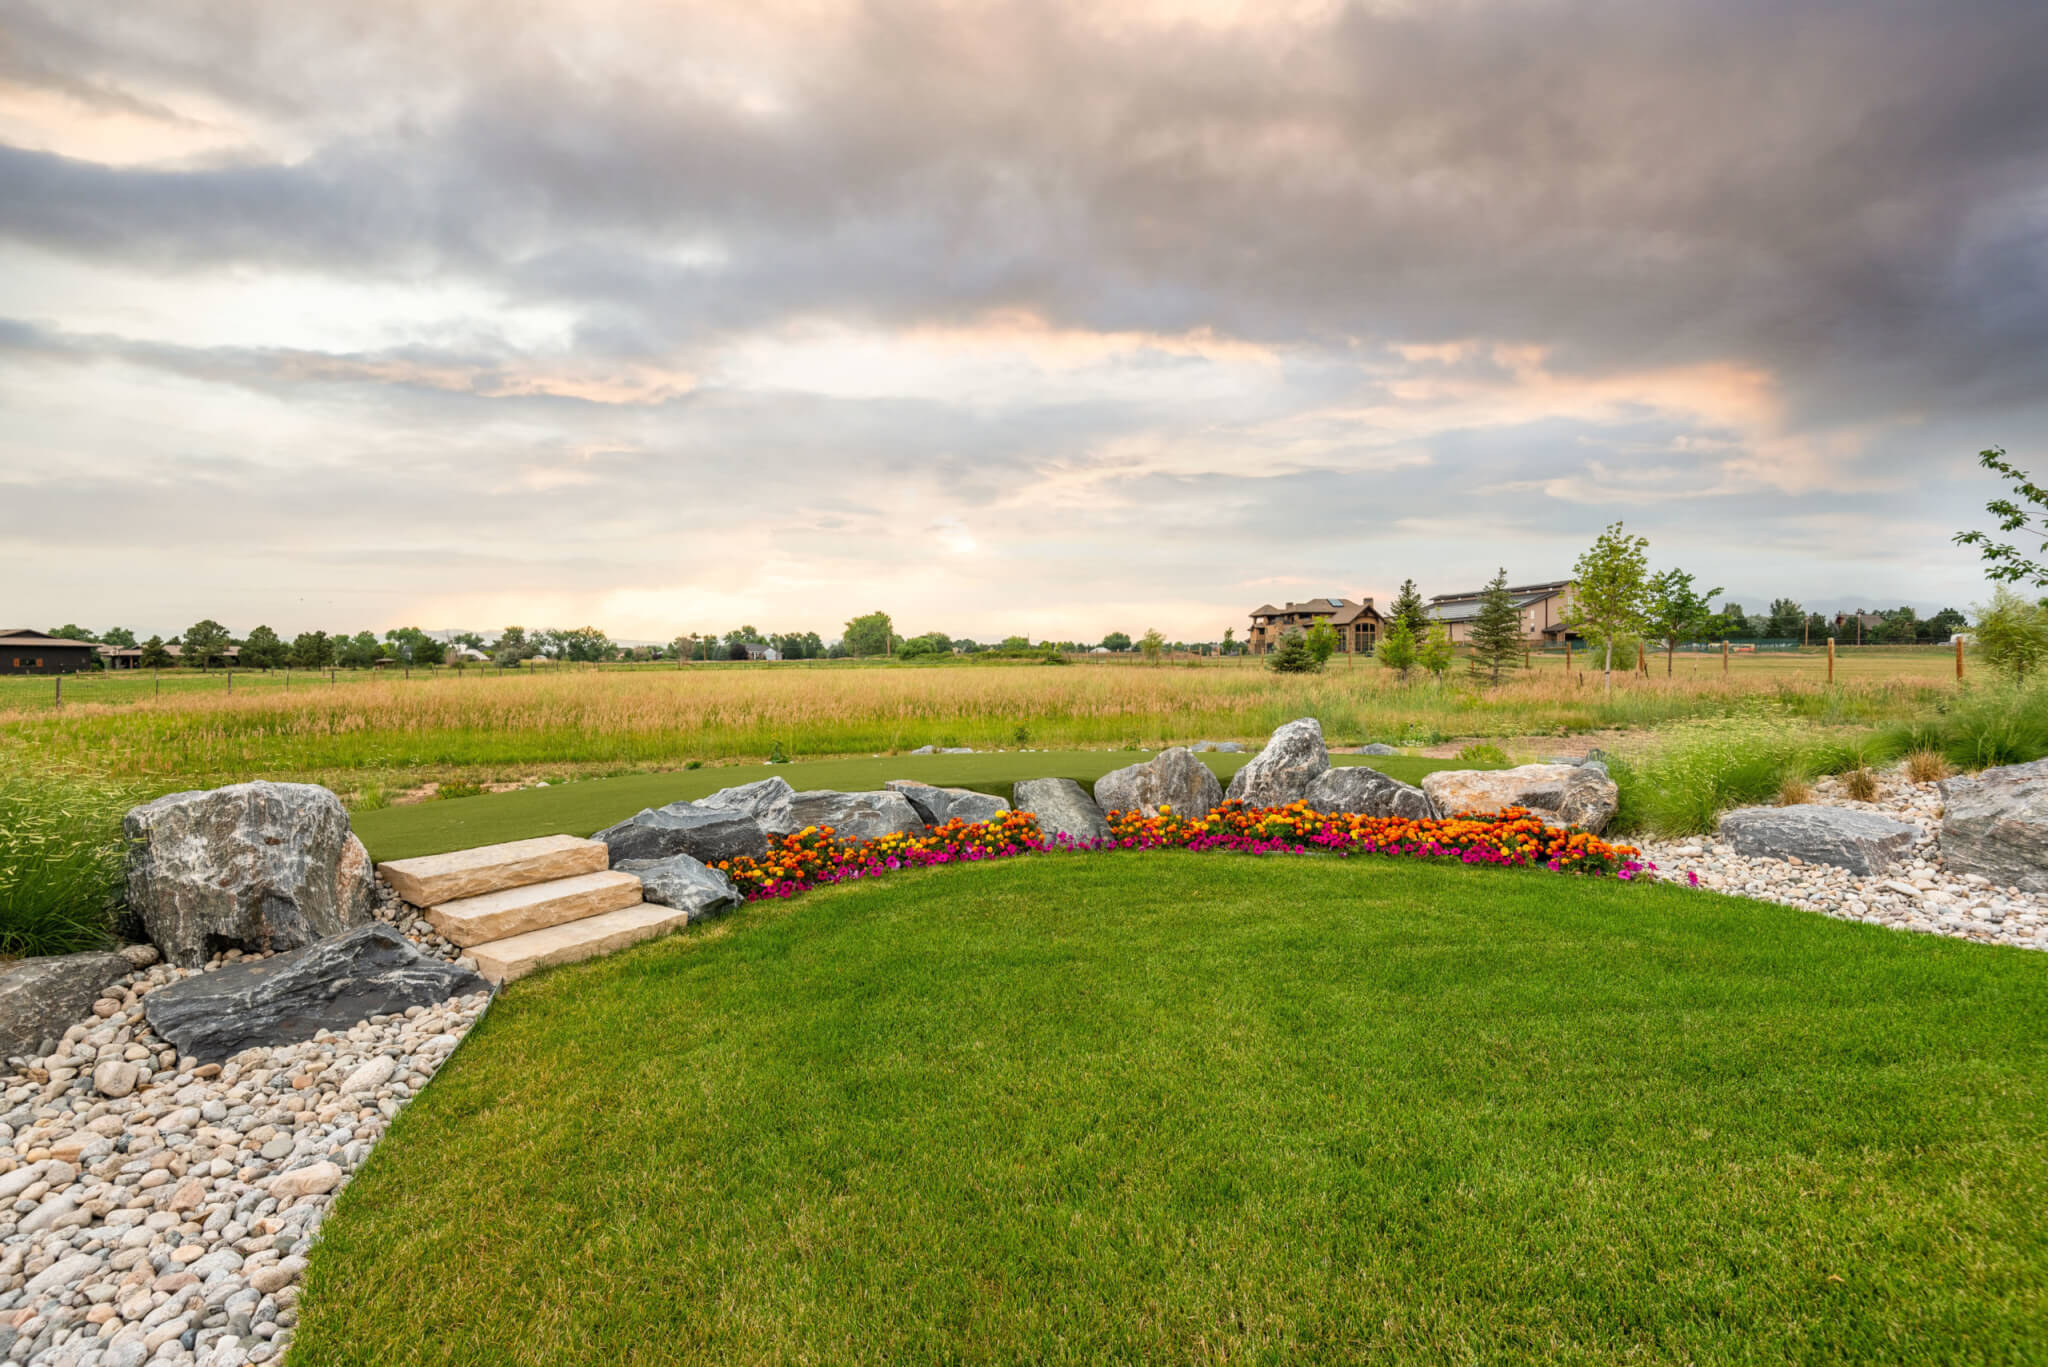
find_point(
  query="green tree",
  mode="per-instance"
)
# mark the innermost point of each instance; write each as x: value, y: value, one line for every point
x: 71, y: 631
x: 1675, y: 612
x: 205, y: 641
x: 1116, y: 640
x: 2012, y: 633
x: 1229, y: 640
x: 1409, y: 607
x: 1322, y: 643
x: 1292, y: 656
x: 1787, y: 618
x: 1435, y: 653
x: 1901, y: 627
x: 870, y: 634
x: 154, y: 656
x: 1945, y: 624
x: 1496, y: 633
x: 1731, y: 623
x: 263, y: 650
x: 931, y: 643
x: 584, y: 644
x: 358, y: 651
x: 311, y: 650
x: 120, y: 637
x: 1610, y: 588
x: 1152, y: 644
x: 2028, y: 513
x: 1015, y: 644
x: 746, y: 635
x: 1397, y: 647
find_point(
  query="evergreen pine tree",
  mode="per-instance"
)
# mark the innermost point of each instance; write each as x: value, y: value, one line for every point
x: 1496, y: 632
x: 1409, y: 608
x: 1292, y: 656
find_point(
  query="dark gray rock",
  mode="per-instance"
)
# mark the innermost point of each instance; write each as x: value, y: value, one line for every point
x: 265, y: 866
x: 852, y: 816
x: 1560, y: 794
x: 1173, y: 778
x: 760, y: 800
x: 1995, y: 824
x: 42, y: 998
x: 1282, y: 772
x: 331, y: 984
x: 1063, y: 808
x: 1378, y: 748
x: 708, y: 834
x: 685, y: 884
x: 1367, y: 791
x: 1861, y: 842
x: 936, y: 806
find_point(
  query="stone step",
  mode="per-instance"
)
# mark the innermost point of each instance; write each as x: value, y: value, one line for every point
x: 470, y: 921
x: 433, y: 879
x: 502, y: 961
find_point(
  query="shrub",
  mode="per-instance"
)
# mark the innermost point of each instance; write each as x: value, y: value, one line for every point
x: 61, y: 884
x: 1292, y: 656
x: 455, y: 788
x: 1860, y: 785
x: 2012, y: 634
x: 1484, y: 753
x: 1795, y: 792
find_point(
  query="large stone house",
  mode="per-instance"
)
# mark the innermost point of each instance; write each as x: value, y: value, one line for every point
x: 1543, y: 608
x: 1357, y: 624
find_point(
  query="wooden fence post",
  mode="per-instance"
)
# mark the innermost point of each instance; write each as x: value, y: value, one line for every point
x: 1959, y: 659
x: 60, y: 690
x: 1724, y: 655
x: 1831, y: 659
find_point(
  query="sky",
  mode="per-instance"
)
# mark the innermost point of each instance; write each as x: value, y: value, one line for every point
x: 1051, y: 319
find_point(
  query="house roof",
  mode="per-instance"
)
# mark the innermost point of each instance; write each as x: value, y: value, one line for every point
x: 1454, y: 608
x: 29, y: 636
x: 1343, y: 609
x: 1537, y: 591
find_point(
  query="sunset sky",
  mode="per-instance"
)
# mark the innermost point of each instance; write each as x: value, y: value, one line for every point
x: 1051, y: 319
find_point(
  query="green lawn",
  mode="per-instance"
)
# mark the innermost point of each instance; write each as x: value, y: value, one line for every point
x: 1173, y: 1108
x: 593, y: 804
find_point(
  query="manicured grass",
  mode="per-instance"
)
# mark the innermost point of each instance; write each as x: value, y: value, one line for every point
x: 580, y: 808
x: 1172, y: 1107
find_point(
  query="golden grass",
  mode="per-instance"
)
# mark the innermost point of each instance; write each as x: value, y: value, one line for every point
x: 1860, y: 785
x: 1795, y: 792
x: 1928, y: 766
x: 475, y: 724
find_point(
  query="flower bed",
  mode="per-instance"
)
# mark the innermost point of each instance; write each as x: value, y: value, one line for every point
x: 815, y: 856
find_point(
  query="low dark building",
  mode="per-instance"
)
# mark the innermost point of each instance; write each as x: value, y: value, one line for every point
x: 24, y: 650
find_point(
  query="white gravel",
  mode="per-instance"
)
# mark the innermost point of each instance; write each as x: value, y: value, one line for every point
x: 154, y: 1210
x: 1916, y: 893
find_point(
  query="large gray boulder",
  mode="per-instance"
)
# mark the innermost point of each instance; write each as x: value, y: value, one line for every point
x: 852, y: 816
x: 1173, y: 778
x: 42, y: 998
x: 1063, y: 808
x: 1861, y: 842
x: 1282, y: 772
x: 1217, y: 747
x: 936, y: 806
x: 760, y: 800
x: 708, y: 834
x: 1368, y: 792
x: 332, y: 984
x: 1560, y: 794
x: 1995, y: 823
x: 685, y: 884
x: 261, y: 866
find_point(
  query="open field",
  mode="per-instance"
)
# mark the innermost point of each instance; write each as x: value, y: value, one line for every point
x: 377, y: 731
x: 1213, y: 1108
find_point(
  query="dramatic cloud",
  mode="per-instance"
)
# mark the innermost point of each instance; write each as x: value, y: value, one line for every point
x: 1055, y: 319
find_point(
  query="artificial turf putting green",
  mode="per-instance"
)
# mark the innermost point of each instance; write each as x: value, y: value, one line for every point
x: 1173, y: 1107
x: 592, y: 805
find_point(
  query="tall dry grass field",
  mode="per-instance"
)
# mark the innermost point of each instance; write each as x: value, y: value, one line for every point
x: 482, y: 723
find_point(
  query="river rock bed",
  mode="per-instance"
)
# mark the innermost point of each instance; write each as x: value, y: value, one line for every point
x: 153, y: 1209
x: 1918, y: 892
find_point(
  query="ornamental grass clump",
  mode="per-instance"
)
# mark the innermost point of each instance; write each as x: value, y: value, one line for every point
x: 61, y: 885
x: 1705, y: 768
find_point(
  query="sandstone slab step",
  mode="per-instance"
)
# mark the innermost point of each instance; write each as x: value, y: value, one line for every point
x: 436, y: 878
x: 503, y: 961
x: 471, y: 921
